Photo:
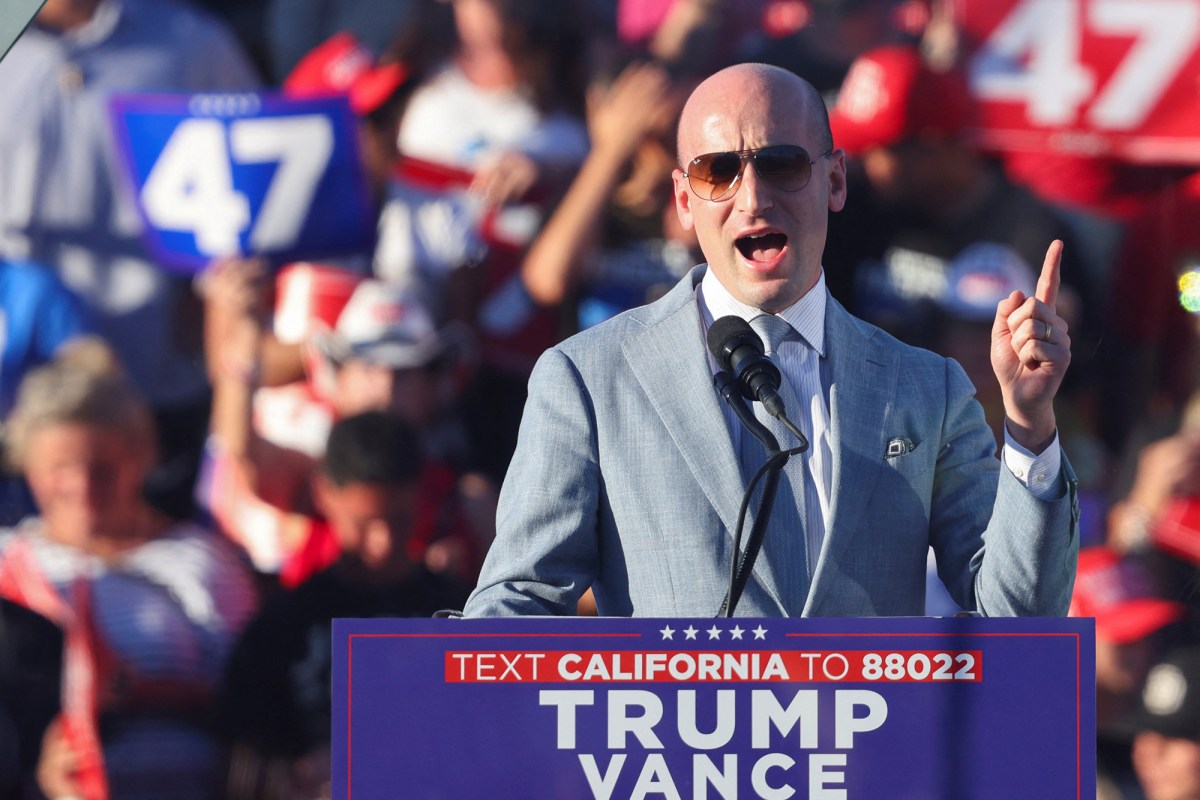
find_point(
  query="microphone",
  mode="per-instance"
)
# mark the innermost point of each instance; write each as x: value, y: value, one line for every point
x: 746, y: 373
x: 739, y: 351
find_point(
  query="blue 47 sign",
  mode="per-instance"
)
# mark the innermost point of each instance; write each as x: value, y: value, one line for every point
x: 244, y: 174
x: 643, y: 709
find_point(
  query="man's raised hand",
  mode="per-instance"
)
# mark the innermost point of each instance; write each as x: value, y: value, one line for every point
x: 1030, y: 354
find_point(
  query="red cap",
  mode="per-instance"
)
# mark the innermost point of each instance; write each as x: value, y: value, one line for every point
x: 1118, y: 593
x: 891, y: 94
x: 341, y: 64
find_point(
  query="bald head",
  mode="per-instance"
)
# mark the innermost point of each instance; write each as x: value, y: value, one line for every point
x: 763, y: 238
x: 762, y: 85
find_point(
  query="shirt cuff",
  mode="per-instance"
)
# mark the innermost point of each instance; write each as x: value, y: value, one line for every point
x: 1038, y: 473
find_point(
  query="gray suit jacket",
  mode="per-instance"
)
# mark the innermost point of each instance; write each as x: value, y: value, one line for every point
x: 625, y: 479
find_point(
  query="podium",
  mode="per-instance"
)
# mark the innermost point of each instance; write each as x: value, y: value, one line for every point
x: 825, y: 709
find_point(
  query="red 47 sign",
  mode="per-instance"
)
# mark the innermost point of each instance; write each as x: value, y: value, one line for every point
x: 1119, y: 78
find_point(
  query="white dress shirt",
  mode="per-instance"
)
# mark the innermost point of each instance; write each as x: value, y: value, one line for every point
x: 802, y: 369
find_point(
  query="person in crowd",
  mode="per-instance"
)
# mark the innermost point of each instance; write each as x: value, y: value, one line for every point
x: 613, y: 238
x: 1161, y: 472
x: 691, y: 37
x: 493, y: 132
x: 385, y: 353
x: 1133, y: 623
x: 293, y: 28
x: 1152, y: 349
x: 1166, y: 744
x: 39, y: 316
x: 499, y: 99
x: 924, y: 198
x: 31, y: 655
x: 503, y: 93
x: 1155, y: 516
x: 377, y: 90
x: 150, y: 607
x: 626, y: 450
x: 833, y: 34
x: 63, y: 201
x: 276, y: 704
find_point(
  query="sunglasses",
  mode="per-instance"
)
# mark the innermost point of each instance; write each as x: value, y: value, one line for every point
x: 715, y: 176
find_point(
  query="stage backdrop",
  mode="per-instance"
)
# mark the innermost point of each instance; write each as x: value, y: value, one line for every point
x: 849, y: 709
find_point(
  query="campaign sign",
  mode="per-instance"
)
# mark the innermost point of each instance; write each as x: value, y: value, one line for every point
x: 244, y: 174
x: 825, y: 709
x: 1112, y: 78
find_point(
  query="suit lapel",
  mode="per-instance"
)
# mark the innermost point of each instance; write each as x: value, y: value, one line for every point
x: 670, y: 362
x: 861, y: 395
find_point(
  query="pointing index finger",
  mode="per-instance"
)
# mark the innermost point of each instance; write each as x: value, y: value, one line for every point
x: 1047, y: 287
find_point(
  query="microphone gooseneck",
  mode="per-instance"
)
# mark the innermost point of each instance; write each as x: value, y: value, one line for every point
x: 747, y: 374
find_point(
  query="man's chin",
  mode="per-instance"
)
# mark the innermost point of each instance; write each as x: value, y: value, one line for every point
x: 771, y: 294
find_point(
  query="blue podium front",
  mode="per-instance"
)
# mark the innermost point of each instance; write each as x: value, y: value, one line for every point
x: 825, y: 709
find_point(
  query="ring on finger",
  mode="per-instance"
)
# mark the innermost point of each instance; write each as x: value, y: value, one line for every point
x: 1046, y: 335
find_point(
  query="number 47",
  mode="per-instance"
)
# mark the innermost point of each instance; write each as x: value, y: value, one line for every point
x: 190, y: 187
x: 1054, y: 84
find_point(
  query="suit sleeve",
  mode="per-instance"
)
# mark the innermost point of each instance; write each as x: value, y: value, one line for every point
x: 545, y: 554
x: 1001, y: 551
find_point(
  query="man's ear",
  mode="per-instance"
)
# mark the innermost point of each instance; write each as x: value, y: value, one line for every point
x: 683, y: 200
x: 837, y: 180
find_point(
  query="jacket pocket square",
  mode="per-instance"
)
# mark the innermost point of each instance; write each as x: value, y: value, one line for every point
x: 899, y: 446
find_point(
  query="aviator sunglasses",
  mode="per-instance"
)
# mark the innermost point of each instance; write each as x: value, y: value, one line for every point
x: 715, y: 176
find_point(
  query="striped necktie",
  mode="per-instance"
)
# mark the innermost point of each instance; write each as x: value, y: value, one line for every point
x: 785, y: 548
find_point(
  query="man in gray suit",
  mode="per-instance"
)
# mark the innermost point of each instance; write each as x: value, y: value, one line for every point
x: 630, y: 470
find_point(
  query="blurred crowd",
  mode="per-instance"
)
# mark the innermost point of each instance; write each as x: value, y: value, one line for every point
x: 203, y: 471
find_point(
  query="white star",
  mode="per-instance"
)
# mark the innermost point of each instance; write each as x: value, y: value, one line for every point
x: 668, y: 632
x: 736, y: 632
x: 714, y: 632
x: 760, y: 632
x: 690, y: 632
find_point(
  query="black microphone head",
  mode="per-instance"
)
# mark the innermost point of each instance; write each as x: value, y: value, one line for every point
x: 738, y: 349
x: 728, y: 334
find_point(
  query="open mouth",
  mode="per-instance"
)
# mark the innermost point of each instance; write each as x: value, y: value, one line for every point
x: 761, y: 247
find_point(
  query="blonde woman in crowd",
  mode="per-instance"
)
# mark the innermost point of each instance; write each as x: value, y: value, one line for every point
x: 150, y: 607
